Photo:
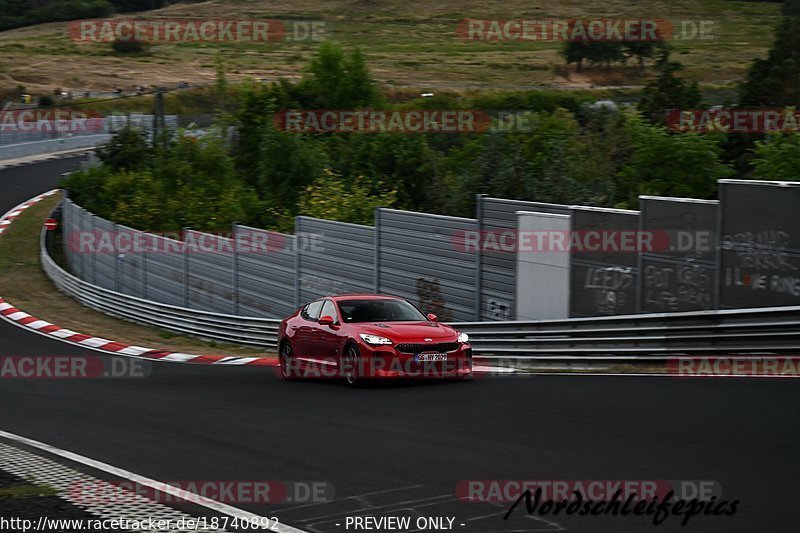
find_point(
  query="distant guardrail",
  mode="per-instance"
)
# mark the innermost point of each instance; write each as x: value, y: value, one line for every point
x: 13, y: 151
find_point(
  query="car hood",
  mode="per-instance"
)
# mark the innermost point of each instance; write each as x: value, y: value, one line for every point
x: 409, y: 331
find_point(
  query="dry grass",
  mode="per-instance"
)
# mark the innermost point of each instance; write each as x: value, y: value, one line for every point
x: 24, y: 285
x: 408, y: 44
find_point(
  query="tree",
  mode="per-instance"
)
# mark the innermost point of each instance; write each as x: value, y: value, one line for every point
x: 775, y: 81
x: 791, y: 8
x: 127, y: 149
x: 532, y: 164
x: 288, y: 163
x: 404, y: 160
x: 189, y: 182
x: 596, y: 157
x: 575, y: 52
x: 667, y: 91
x: 334, y: 81
x: 661, y: 163
x: 602, y: 53
x: 257, y: 106
x: 641, y: 50
x: 771, y: 82
x: 223, y: 119
x: 131, y: 47
x: 333, y: 198
x: 777, y: 158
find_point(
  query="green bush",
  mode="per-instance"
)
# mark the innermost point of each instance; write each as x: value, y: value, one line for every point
x: 188, y: 182
x: 131, y: 47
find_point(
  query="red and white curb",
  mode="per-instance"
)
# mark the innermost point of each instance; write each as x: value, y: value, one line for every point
x: 23, y: 319
x: 7, y: 219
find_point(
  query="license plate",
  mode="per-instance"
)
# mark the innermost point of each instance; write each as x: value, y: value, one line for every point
x: 425, y: 357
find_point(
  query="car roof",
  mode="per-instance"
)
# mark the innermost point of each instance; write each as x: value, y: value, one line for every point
x: 340, y: 297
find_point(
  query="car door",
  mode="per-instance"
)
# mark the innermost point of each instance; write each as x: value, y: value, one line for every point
x: 306, y: 329
x: 326, y: 341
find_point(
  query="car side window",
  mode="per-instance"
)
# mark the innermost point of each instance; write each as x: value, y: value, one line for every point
x: 329, y: 309
x: 311, y: 312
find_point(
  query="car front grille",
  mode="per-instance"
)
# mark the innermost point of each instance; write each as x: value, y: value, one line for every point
x: 443, y: 347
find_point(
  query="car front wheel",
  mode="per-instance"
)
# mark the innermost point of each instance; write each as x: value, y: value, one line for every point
x: 285, y: 358
x: 350, y: 360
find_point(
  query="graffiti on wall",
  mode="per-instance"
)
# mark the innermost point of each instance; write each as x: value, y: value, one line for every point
x: 430, y: 299
x: 609, y: 287
x: 763, y: 262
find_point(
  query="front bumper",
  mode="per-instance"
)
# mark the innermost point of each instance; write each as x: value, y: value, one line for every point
x: 387, y: 362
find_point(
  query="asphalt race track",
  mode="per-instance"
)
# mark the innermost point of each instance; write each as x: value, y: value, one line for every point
x: 402, y: 449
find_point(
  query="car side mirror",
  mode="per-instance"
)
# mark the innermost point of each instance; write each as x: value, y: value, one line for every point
x: 326, y: 320
x: 432, y: 317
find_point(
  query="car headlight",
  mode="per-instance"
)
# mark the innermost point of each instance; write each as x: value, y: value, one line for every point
x: 374, y: 339
x: 463, y: 337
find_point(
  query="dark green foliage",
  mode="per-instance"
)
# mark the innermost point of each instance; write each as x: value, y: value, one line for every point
x: 130, y: 47
x: 337, y: 81
x: 186, y: 183
x: 128, y: 150
x: 775, y: 81
x: 668, y: 91
x: 605, y: 53
x: 46, y: 101
x: 17, y: 13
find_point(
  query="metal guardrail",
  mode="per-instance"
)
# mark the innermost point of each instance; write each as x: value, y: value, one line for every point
x: 260, y: 332
x: 13, y: 151
x: 644, y: 336
x: 614, y: 339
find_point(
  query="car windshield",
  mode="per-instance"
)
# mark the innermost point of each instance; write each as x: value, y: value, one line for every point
x: 379, y: 311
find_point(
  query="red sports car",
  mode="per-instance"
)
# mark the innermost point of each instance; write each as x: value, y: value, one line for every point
x: 355, y: 337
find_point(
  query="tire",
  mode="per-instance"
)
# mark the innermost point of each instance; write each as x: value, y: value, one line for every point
x: 285, y: 355
x: 349, y: 367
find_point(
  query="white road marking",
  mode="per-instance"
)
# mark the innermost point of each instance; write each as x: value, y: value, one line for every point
x: 38, y: 324
x: 147, y: 482
x: 95, y: 341
x: 63, y: 333
x: 178, y: 357
x: 134, y: 350
x: 237, y: 361
x: 484, y: 369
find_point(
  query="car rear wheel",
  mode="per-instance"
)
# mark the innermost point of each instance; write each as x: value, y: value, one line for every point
x: 350, y: 365
x: 285, y: 358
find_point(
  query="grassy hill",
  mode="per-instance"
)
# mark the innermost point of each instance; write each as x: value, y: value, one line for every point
x: 409, y: 44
